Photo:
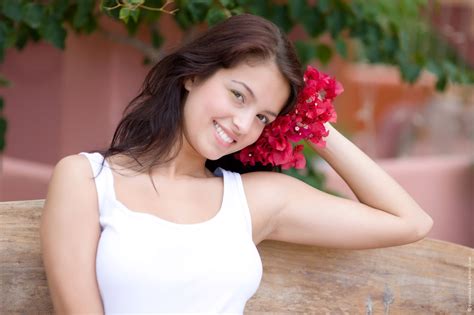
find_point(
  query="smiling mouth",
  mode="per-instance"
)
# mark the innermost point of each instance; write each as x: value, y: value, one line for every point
x: 222, y: 134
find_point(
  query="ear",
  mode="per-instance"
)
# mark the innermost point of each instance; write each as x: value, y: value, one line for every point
x: 189, y: 83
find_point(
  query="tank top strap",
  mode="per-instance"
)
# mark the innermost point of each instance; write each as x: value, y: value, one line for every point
x: 102, y: 177
x: 236, y: 197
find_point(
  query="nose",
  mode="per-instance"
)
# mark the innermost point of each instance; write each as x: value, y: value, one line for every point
x: 242, y: 122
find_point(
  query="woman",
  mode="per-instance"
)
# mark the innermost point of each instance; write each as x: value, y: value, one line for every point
x: 166, y: 222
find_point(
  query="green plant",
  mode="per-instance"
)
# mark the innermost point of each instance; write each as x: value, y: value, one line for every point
x: 383, y: 31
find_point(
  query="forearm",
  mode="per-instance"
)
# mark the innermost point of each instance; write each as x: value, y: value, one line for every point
x: 369, y: 182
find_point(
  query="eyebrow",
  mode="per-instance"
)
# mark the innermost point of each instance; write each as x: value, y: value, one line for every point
x: 247, y: 87
x: 253, y: 95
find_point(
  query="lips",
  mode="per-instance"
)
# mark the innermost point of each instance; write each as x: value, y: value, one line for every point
x: 224, y: 135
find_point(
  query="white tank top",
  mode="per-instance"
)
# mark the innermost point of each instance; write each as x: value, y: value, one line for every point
x: 146, y: 264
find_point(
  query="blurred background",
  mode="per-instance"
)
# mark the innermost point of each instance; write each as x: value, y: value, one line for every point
x: 68, y: 69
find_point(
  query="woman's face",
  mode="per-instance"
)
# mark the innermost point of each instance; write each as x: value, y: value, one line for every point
x: 229, y: 110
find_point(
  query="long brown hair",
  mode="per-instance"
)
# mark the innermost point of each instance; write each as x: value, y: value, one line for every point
x: 153, y: 121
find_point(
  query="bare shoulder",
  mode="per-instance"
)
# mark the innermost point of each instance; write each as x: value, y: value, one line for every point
x: 71, y: 183
x: 74, y: 164
x: 69, y: 234
x: 267, y: 194
x: 268, y: 184
x: 267, y: 176
x: 270, y: 189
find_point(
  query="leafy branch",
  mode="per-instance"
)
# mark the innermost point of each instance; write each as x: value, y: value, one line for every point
x: 131, y: 8
x: 383, y: 31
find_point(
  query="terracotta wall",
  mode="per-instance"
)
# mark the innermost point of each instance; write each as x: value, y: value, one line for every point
x: 442, y: 185
x: 63, y: 103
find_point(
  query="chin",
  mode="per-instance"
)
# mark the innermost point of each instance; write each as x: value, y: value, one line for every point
x: 213, y: 156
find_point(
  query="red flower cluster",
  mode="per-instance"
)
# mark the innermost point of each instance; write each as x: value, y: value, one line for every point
x: 306, y: 121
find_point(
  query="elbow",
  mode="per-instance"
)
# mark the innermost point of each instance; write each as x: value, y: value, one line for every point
x: 423, y: 228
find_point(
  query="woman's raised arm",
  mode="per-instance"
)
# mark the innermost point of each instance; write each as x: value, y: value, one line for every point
x: 385, y: 216
x: 69, y: 233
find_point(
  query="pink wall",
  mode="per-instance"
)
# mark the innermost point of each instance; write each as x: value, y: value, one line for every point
x: 65, y: 102
x: 62, y: 103
x: 23, y: 179
x: 442, y: 185
x: 33, y: 102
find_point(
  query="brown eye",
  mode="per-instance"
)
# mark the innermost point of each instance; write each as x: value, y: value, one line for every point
x: 239, y: 96
x: 264, y: 119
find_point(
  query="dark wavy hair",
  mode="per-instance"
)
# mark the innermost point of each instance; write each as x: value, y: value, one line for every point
x: 153, y: 121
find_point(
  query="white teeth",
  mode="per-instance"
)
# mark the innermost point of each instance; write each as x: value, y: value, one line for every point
x: 222, y: 134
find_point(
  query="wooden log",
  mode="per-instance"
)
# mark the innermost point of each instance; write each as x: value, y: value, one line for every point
x: 426, y: 277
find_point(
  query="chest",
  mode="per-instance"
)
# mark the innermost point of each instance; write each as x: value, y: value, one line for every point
x: 187, y: 201
x: 181, y: 201
x: 141, y: 267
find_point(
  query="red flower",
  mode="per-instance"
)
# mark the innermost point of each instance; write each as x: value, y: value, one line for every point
x: 306, y: 121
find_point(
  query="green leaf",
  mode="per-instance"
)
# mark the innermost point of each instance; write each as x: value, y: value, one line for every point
x: 12, y: 9
x: 136, y: 2
x: 306, y: 51
x: 244, y: 2
x: 2, y: 103
x: 156, y: 38
x: 237, y: 11
x: 335, y: 22
x: 325, y: 5
x: 11, y: 37
x: 389, y: 45
x: 451, y: 68
x: 3, y: 133
x: 215, y: 15
x: 308, y: 151
x: 198, y: 9
x: 183, y: 19
x: 4, y: 82
x: 410, y: 71
x: 132, y: 27
x: 280, y: 17
x: 4, y: 30
x: 33, y: 14
x: 58, y: 9
x: 261, y: 8
x: 441, y: 83
x: 314, y: 22
x: 297, y: 9
x: 146, y: 61
x: 83, y: 13
x: 124, y: 14
x: 324, y: 53
x: 53, y: 31
x: 106, y: 4
x: 341, y: 46
x: 35, y: 35
x: 135, y: 14
x: 372, y: 53
x: 228, y: 4
x: 373, y: 33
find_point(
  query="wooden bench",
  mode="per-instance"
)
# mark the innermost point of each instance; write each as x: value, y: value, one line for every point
x: 426, y: 277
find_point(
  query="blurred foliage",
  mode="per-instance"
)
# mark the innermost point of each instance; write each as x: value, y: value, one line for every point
x: 382, y: 31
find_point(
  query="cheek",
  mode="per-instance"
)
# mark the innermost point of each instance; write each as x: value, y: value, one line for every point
x: 212, y: 104
x: 252, y: 137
